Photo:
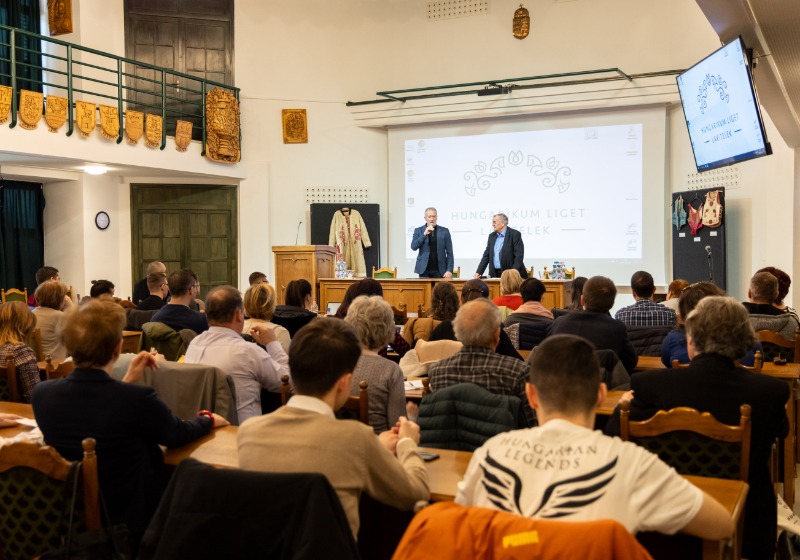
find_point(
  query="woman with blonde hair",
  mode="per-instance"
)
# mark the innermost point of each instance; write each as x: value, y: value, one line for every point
x: 259, y: 306
x: 16, y: 325
x: 510, y: 282
x: 373, y: 320
x: 50, y: 298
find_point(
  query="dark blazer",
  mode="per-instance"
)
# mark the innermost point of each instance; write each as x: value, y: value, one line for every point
x: 129, y: 423
x: 444, y: 249
x: 712, y: 383
x: 511, y: 254
x: 602, y: 330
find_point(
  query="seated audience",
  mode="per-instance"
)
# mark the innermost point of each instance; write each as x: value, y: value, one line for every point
x: 16, y: 325
x: 258, y: 278
x: 304, y: 435
x: 575, y: 289
x: 141, y: 289
x: 673, y: 295
x: 762, y: 313
x: 474, y: 289
x: 259, y: 306
x: 299, y: 307
x: 159, y: 290
x: 43, y: 275
x: 177, y: 315
x: 645, y: 312
x: 596, y: 324
x: 673, y: 347
x: 717, y: 333
x: 372, y: 319
x: 101, y: 287
x: 531, y: 310
x: 127, y: 420
x: 477, y: 327
x: 518, y: 471
x: 252, y: 368
x: 444, y: 304
x: 50, y: 297
x: 784, y: 281
x: 510, y: 282
x: 369, y: 287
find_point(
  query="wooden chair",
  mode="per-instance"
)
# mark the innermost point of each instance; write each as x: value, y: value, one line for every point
x: 776, y: 346
x: 384, y: 272
x: 286, y: 389
x: 9, y: 385
x: 423, y: 313
x: 400, y: 314
x: 35, y: 343
x: 757, y: 367
x: 57, y: 372
x: 692, y: 456
x: 426, y: 386
x: 37, y: 484
x: 13, y: 294
x: 356, y: 408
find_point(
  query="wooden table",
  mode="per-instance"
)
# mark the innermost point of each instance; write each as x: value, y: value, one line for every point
x: 219, y: 449
x: 790, y: 373
x: 413, y: 292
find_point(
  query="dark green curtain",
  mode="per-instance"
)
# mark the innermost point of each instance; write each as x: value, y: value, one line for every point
x: 22, y: 14
x: 21, y: 234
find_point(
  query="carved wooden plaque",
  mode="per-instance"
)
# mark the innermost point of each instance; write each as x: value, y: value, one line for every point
x: 222, y: 127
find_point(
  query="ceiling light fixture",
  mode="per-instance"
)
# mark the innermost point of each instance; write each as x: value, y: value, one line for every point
x: 95, y: 169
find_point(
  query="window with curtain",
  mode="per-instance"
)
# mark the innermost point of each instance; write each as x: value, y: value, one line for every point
x: 21, y: 234
x: 22, y: 14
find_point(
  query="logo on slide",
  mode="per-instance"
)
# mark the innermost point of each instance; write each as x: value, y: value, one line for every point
x: 551, y: 172
x: 716, y: 82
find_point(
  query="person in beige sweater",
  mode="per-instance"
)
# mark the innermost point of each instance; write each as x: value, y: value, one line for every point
x: 305, y: 436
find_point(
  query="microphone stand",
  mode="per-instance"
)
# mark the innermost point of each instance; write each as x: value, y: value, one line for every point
x: 710, y: 268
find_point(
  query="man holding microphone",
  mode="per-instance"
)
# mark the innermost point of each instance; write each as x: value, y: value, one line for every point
x: 435, y: 259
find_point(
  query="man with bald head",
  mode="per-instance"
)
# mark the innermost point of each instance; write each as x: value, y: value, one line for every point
x: 477, y: 326
x: 223, y: 346
x: 140, y: 289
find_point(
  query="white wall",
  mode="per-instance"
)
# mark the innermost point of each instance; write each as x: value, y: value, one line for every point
x: 319, y: 54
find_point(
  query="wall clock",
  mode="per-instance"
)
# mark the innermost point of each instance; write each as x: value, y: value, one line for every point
x: 102, y: 221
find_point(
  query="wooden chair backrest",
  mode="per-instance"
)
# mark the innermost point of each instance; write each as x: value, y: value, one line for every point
x: 286, y: 389
x: 359, y: 405
x: 12, y: 384
x: 777, y: 339
x: 400, y: 314
x: 57, y: 372
x: 384, y: 272
x: 757, y: 367
x: 685, y: 419
x: 426, y: 386
x: 423, y: 313
x: 13, y: 294
x: 26, y: 463
x: 35, y: 343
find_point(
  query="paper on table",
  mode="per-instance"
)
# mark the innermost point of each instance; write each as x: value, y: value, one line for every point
x: 415, y: 384
x: 27, y: 422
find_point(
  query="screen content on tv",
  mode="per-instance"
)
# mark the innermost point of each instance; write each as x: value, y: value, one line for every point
x: 721, y: 109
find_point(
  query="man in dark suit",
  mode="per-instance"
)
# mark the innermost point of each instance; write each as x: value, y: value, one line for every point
x: 504, y: 250
x: 596, y: 324
x: 435, y: 259
x: 717, y: 333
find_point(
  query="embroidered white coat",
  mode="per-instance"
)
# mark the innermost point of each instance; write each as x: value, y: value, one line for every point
x: 350, y: 237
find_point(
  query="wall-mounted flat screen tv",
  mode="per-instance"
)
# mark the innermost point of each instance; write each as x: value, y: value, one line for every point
x: 721, y: 109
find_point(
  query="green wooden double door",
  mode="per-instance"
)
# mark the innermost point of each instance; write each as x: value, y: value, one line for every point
x: 186, y: 226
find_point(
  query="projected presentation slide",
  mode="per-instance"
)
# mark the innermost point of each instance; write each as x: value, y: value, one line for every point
x: 574, y: 193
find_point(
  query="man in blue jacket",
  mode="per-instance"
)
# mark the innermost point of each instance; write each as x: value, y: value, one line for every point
x: 435, y: 259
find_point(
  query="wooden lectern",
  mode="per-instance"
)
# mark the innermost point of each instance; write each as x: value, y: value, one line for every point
x: 293, y: 262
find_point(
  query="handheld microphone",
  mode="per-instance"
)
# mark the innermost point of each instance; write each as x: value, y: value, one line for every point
x: 297, y: 236
x: 708, y: 250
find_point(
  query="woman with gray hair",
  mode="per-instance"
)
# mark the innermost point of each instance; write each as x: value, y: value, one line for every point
x: 373, y: 321
x: 717, y: 332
